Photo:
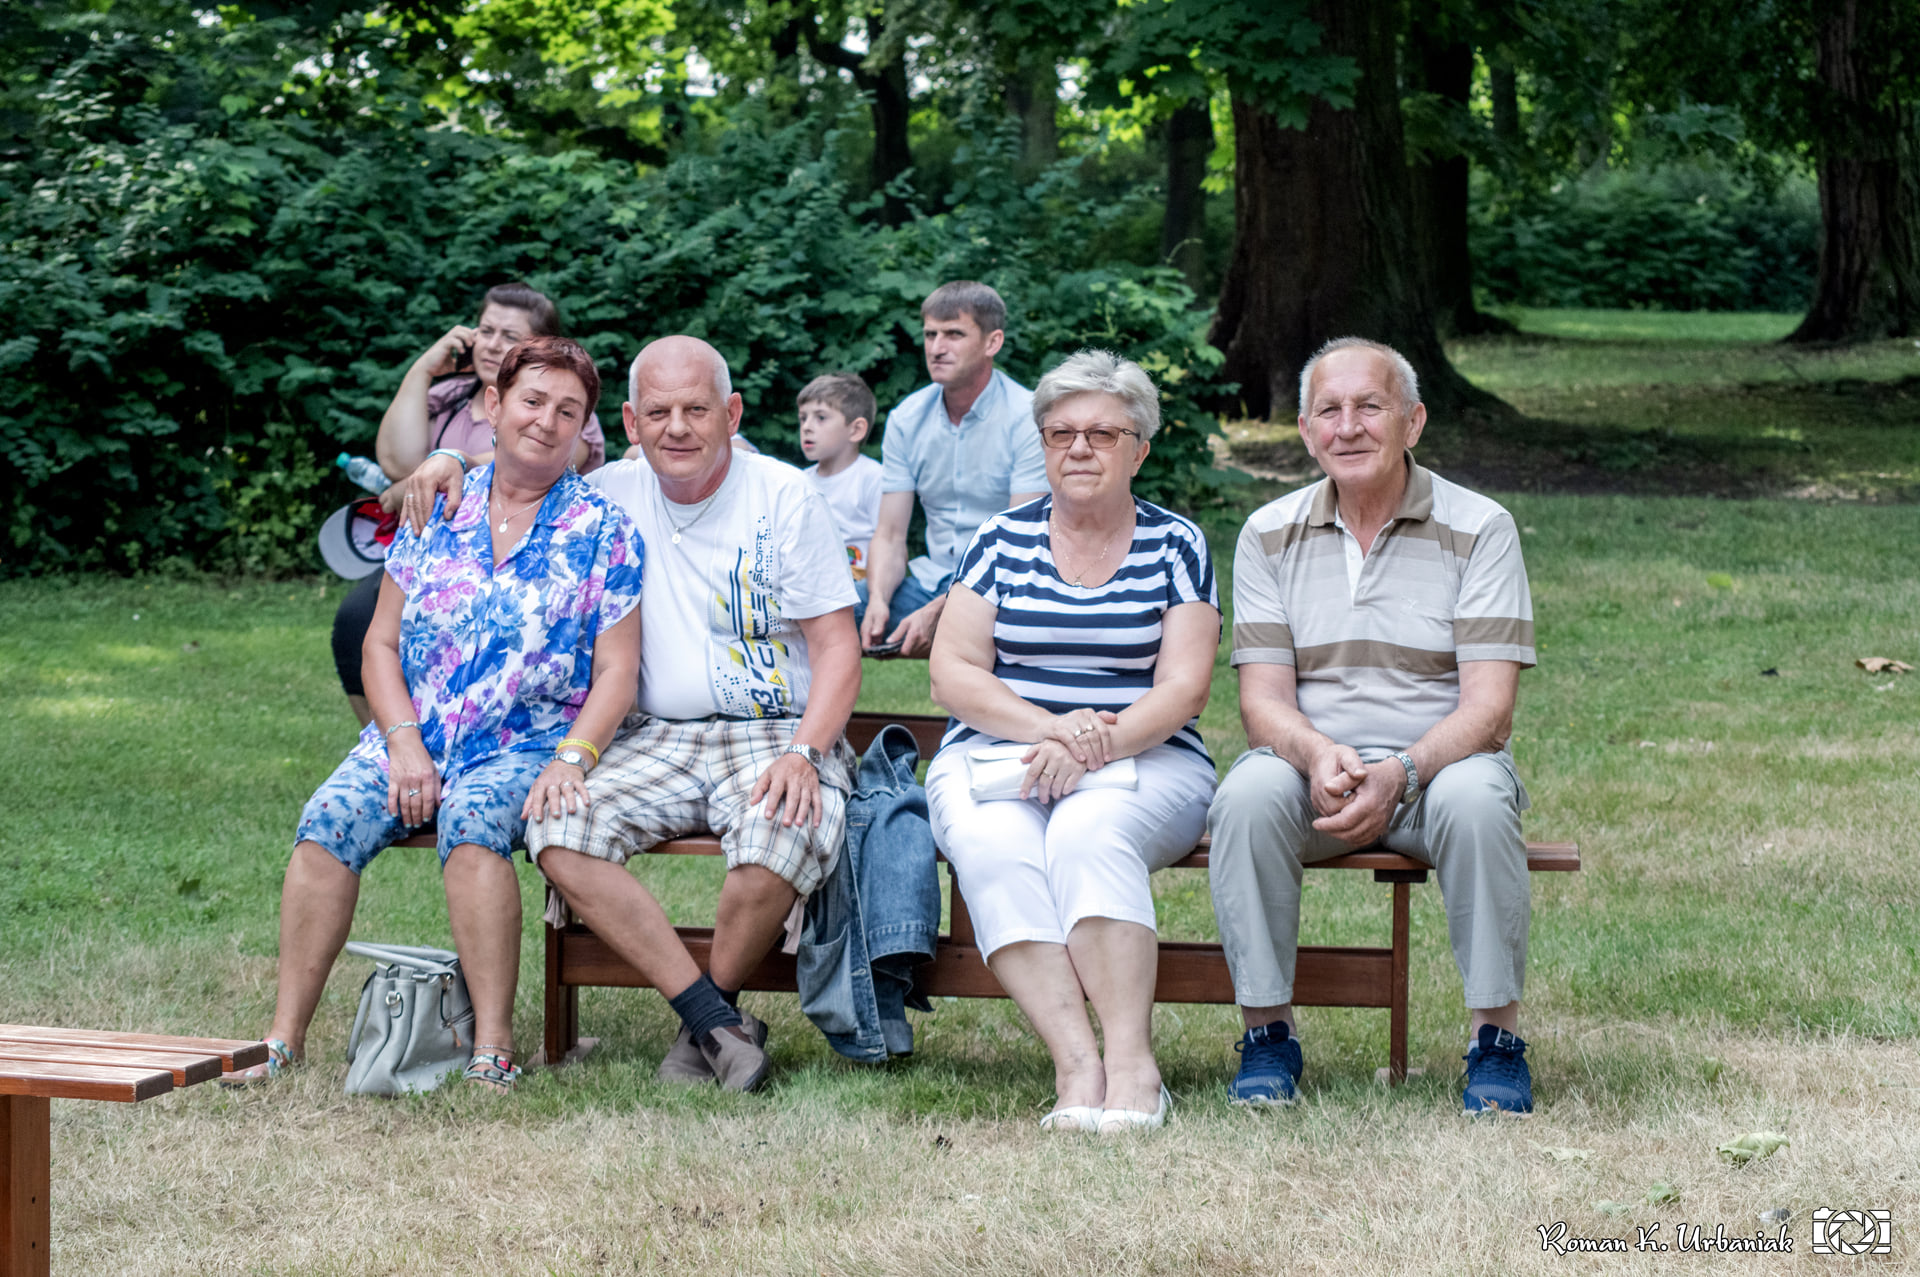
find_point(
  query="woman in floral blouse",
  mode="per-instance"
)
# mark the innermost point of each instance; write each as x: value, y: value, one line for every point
x: 503, y: 654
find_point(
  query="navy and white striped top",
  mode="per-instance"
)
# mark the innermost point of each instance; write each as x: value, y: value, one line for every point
x: 1066, y: 647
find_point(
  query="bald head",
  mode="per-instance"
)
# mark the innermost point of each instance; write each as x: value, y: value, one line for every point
x: 677, y: 357
x: 683, y: 413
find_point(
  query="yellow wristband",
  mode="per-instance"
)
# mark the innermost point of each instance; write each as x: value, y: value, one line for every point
x: 583, y: 744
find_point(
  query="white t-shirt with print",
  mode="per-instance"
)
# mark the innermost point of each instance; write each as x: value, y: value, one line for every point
x: 854, y: 497
x: 720, y: 609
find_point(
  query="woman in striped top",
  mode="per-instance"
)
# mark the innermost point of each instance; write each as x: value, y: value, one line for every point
x: 1084, y: 626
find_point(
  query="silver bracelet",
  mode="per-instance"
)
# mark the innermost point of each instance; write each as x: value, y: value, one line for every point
x: 397, y: 726
x: 461, y: 457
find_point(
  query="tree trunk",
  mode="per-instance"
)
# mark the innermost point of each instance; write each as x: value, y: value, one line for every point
x: 1440, y: 185
x: 1183, y: 231
x: 1322, y: 230
x: 1868, y: 152
x: 890, y: 104
x: 1033, y: 96
x: 1503, y: 84
x: 892, y: 107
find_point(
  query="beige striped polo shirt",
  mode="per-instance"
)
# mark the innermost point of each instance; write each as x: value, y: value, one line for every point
x: 1376, y: 651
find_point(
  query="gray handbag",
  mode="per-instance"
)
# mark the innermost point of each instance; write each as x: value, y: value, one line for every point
x: 415, y: 1023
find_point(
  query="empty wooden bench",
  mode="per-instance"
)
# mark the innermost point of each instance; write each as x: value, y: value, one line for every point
x: 1327, y: 975
x: 39, y: 1064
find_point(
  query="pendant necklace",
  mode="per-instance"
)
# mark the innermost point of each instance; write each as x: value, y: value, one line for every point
x: 1053, y: 534
x: 508, y: 518
x: 678, y: 528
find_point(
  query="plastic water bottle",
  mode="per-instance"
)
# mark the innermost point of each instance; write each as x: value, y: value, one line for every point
x: 364, y: 472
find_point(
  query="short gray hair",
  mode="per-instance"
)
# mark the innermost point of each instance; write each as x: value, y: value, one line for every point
x: 1403, y: 373
x: 1101, y: 372
x: 722, y: 378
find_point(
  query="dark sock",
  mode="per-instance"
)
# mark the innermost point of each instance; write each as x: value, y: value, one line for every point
x: 731, y: 995
x: 703, y: 1008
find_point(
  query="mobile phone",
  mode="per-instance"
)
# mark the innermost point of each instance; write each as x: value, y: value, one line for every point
x: 884, y: 649
x: 463, y: 362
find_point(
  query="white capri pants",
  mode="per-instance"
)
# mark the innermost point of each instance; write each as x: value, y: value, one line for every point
x: 1031, y: 870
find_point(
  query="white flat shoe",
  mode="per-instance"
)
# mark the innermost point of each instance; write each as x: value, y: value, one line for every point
x: 1073, y: 1117
x: 1119, y: 1121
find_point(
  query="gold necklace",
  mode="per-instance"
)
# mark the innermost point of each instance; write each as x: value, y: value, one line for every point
x: 1053, y: 535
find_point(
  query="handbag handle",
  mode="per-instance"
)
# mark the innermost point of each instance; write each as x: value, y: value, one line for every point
x: 420, y: 958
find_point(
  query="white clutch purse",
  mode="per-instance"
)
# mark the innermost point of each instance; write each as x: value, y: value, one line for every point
x: 995, y: 771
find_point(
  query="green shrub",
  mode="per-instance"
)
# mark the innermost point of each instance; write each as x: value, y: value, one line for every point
x: 209, y: 287
x: 1669, y: 239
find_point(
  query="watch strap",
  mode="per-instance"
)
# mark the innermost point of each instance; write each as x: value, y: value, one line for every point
x: 1412, y: 791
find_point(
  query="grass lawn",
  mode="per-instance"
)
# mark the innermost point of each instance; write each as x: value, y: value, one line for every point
x: 1741, y: 953
x: 1646, y: 402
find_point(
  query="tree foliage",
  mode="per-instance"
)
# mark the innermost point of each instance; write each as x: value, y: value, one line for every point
x: 209, y: 285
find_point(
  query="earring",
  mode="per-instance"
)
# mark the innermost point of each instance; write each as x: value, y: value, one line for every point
x: 496, y: 439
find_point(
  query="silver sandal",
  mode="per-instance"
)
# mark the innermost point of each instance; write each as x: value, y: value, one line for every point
x: 494, y: 1067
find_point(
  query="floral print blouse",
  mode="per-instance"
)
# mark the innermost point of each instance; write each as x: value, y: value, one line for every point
x: 498, y: 659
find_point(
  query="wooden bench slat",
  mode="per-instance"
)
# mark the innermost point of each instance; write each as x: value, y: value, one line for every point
x: 187, y: 1069
x: 927, y: 730
x: 234, y: 1053
x: 82, y: 1081
x: 1190, y: 971
x: 1542, y: 857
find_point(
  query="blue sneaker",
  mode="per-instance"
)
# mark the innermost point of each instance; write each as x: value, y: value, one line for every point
x: 1498, y: 1080
x: 1270, y: 1067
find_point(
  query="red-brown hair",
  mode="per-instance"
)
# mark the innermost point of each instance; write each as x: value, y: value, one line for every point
x: 561, y: 353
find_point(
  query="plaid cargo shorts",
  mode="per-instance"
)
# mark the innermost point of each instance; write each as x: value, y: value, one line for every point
x: 666, y: 778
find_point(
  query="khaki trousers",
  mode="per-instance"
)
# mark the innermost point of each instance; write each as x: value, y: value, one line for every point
x: 1466, y: 825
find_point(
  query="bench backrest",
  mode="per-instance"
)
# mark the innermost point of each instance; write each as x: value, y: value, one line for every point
x: 927, y: 730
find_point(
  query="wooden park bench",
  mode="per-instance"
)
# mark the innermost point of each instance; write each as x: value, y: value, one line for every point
x: 41, y: 1064
x: 1327, y: 975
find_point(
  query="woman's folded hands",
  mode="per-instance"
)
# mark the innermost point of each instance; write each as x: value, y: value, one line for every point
x: 1072, y: 745
x: 1087, y: 734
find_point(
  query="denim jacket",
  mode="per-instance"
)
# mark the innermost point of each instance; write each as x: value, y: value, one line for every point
x: 877, y: 916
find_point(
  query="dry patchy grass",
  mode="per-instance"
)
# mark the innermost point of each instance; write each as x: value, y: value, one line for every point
x: 296, y: 1179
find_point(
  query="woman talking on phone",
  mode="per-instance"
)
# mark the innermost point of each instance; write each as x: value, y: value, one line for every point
x: 441, y: 406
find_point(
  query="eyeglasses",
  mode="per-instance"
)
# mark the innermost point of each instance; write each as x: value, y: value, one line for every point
x: 1060, y: 438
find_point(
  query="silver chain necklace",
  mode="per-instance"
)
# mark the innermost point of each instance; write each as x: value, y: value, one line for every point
x: 678, y: 528
x: 505, y: 519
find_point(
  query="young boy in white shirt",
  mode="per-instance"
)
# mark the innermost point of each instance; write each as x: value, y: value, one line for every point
x: 836, y: 411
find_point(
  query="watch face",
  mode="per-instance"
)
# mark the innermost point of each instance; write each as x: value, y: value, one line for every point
x: 573, y: 756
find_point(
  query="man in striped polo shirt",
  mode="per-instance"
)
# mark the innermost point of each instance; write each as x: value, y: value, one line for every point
x: 1381, y: 619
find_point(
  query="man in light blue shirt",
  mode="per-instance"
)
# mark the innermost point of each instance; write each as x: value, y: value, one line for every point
x: 966, y: 446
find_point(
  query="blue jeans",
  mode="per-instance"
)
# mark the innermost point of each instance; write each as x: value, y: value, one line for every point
x: 908, y: 597
x: 876, y: 917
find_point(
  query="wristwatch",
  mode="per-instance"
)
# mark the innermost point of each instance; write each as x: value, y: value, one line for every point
x: 577, y: 757
x: 809, y: 753
x: 1412, y: 791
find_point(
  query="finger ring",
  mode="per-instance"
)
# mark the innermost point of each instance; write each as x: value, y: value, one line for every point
x: 413, y: 793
